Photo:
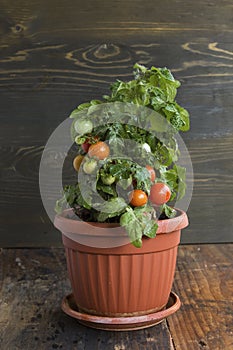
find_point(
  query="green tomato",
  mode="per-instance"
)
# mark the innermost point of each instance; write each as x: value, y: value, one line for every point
x: 89, y: 166
x: 108, y: 179
x: 125, y: 183
x: 83, y: 126
x: 79, y: 140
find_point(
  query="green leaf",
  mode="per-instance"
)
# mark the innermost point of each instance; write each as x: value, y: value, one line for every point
x: 142, y: 176
x: 168, y: 83
x: 181, y: 172
x: 111, y: 208
x: 138, y: 222
x: 132, y: 226
x: 158, y: 123
x: 175, y: 179
x: 84, y: 106
x: 74, y: 196
x: 150, y: 229
x: 76, y: 112
x: 184, y: 114
x: 121, y: 169
x: 164, y: 155
x: 106, y: 188
x: 139, y: 68
x: 59, y: 204
x: 169, y: 212
x: 73, y: 132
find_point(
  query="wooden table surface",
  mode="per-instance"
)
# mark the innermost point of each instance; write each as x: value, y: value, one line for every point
x: 33, y: 282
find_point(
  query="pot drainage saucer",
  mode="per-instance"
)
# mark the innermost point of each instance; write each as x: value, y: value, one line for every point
x: 120, y: 323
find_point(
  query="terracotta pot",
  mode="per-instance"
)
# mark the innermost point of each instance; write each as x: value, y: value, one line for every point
x: 120, y: 280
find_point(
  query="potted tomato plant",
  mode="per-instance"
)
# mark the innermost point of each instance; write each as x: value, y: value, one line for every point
x: 121, y: 229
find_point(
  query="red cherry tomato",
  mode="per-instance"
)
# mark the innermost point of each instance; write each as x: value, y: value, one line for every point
x: 138, y: 198
x: 99, y: 150
x: 160, y: 193
x: 152, y: 172
x: 85, y: 146
x: 89, y: 141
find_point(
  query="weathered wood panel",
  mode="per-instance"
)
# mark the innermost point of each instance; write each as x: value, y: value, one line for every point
x: 56, y: 55
x: 34, y: 281
x: 33, y: 285
x: 204, y: 281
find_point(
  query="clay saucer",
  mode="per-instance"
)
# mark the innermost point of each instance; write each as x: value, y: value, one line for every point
x: 120, y: 323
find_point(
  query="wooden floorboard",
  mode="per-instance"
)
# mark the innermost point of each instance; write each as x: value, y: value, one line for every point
x: 204, y: 282
x: 33, y: 282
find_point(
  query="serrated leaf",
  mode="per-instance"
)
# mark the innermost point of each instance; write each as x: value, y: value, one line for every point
x: 169, y: 212
x: 73, y: 132
x: 139, y: 222
x: 150, y: 229
x: 181, y: 172
x: 111, y: 208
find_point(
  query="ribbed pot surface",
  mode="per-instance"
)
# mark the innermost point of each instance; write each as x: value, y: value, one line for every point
x: 121, y: 284
x: 124, y: 280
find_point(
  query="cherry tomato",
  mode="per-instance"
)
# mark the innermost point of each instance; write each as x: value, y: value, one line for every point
x: 160, y: 193
x: 99, y: 150
x: 89, y: 166
x: 77, y: 162
x: 152, y: 172
x: 108, y: 179
x: 83, y: 126
x: 138, y: 198
x: 85, y: 146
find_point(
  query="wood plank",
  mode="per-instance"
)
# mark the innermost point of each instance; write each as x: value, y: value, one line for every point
x: 128, y: 17
x: 204, y: 282
x: 19, y: 181
x: 55, y: 56
x: 33, y: 283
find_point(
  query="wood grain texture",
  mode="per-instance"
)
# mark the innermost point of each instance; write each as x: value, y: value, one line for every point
x: 34, y: 281
x: 204, y: 281
x: 33, y: 284
x: 54, y: 56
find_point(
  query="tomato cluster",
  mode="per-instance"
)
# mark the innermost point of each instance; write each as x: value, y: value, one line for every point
x: 96, y: 151
x: 160, y: 193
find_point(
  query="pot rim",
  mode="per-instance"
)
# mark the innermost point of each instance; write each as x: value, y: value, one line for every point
x: 73, y: 225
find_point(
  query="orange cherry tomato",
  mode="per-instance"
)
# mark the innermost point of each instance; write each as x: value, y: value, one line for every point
x: 152, y: 172
x: 138, y: 198
x: 160, y: 193
x: 77, y: 162
x: 99, y: 150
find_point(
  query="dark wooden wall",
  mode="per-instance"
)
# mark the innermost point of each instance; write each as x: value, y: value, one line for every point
x: 56, y: 54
